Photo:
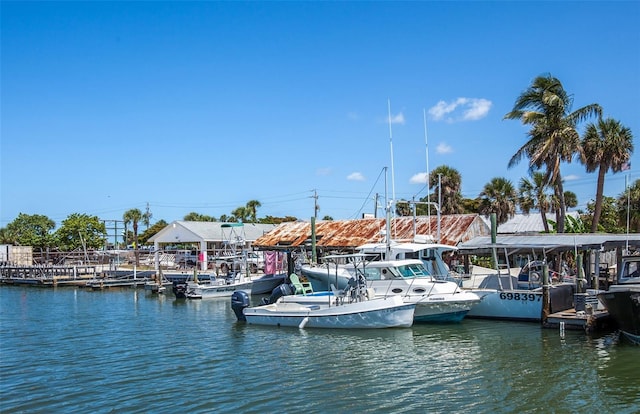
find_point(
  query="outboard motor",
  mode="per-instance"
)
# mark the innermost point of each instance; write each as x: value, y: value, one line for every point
x: 239, y: 301
x: 279, y: 291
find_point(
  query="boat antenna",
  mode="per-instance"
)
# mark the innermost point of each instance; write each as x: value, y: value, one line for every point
x: 426, y: 142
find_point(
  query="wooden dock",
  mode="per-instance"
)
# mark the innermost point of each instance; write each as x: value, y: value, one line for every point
x: 592, y: 321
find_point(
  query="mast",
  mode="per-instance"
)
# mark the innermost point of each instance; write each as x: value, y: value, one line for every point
x: 426, y: 142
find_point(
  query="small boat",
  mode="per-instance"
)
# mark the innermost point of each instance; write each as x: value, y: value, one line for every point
x: 622, y: 300
x: 215, y: 287
x: 353, y: 308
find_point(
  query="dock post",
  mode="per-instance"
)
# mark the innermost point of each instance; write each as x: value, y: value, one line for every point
x: 546, y: 303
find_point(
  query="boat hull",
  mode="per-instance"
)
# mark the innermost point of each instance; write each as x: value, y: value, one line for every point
x: 623, y: 304
x: 450, y: 308
x: 265, y: 284
x: 217, y: 291
x: 519, y: 305
x: 377, y: 313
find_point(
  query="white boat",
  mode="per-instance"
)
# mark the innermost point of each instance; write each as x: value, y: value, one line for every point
x: 350, y: 309
x: 518, y: 298
x: 435, y: 300
x: 215, y: 287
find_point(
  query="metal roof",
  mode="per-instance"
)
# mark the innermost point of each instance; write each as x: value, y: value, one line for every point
x: 526, y: 223
x: 352, y: 233
x: 197, y: 231
x: 549, y: 242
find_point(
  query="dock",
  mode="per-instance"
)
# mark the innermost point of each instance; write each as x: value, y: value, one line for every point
x: 587, y: 321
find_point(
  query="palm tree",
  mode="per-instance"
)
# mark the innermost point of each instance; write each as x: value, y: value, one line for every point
x: 629, y: 207
x: 451, y: 184
x: 606, y: 145
x: 533, y: 195
x: 252, y: 209
x: 240, y: 214
x: 499, y: 196
x: 553, y: 137
x: 133, y: 216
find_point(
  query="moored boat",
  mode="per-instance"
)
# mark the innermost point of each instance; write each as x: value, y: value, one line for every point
x: 436, y: 300
x: 622, y: 300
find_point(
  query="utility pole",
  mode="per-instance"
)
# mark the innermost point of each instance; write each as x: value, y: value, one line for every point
x: 316, y: 207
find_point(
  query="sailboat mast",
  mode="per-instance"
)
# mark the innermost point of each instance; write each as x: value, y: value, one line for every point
x: 426, y: 142
x: 393, y: 180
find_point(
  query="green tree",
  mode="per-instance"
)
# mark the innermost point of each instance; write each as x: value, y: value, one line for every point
x: 451, y: 186
x: 31, y: 230
x: 252, y: 210
x: 470, y: 205
x: 498, y: 196
x: 609, y: 218
x: 327, y: 218
x: 570, y: 199
x: 240, y: 214
x: 193, y: 216
x: 78, y: 231
x: 133, y: 216
x: 553, y: 137
x: 607, y: 145
x: 629, y: 206
x: 151, y: 231
x: 403, y: 208
x: 532, y: 194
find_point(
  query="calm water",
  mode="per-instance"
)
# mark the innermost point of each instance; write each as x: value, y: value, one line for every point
x: 76, y: 350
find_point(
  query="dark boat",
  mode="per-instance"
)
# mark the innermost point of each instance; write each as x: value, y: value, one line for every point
x: 622, y: 300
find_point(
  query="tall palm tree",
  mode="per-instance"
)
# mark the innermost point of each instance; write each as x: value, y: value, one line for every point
x: 607, y: 145
x: 533, y: 195
x: 499, y: 196
x: 133, y: 216
x: 553, y: 137
x: 252, y: 209
x: 451, y: 185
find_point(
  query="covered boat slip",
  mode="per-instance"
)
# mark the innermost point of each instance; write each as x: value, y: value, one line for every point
x: 515, y: 251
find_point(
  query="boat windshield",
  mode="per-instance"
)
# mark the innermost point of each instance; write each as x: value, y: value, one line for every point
x: 413, y: 270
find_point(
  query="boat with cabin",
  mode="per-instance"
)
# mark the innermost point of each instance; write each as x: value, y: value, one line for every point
x: 622, y: 300
x: 436, y: 300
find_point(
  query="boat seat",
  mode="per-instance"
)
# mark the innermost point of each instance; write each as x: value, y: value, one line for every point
x: 299, y: 287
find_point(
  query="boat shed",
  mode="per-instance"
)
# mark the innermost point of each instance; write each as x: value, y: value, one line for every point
x: 602, y: 250
x: 349, y: 234
x: 210, y: 236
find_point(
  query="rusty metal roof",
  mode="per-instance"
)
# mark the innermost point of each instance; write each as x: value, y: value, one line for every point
x: 454, y: 229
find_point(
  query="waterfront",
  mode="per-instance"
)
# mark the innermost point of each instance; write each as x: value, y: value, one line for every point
x: 77, y: 350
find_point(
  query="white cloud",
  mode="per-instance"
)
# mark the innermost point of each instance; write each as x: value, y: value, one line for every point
x: 571, y: 177
x: 462, y: 109
x: 323, y: 171
x: 420, y: 178
x: 444, y: 148
x: 356, y: 176
x: 397, y: 119
x: 478, y: 109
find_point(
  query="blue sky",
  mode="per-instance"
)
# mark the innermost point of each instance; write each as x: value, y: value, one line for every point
x: 203, y: 106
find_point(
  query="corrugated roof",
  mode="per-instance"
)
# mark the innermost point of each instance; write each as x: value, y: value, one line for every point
x: 549, y: 242
x: 526, y: 223
x: 196, y: 231
x: 352, y: 233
